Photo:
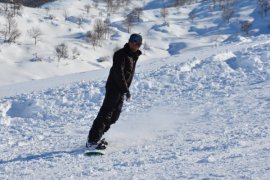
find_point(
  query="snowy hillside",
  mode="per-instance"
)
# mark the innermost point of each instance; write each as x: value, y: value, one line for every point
x: 187, y: 27
x: 199, y: 109
x: 203, y: 119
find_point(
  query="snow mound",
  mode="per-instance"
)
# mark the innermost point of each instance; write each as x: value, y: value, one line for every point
x: 237, y: 38
x: 174, y: 48
x: 157, y: 4
x: 26, y: 108
x: 161, y: 28
x: 4, y: 108
x: 224, y: 56
x: 76, y: 20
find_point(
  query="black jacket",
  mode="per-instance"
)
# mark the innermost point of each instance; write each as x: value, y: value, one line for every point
x: 123, y: 69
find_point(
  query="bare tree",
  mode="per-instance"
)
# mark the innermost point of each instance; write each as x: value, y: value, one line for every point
x: 75, y: 53
x: 13, y: 7
x: 87, y: 8
x: 118, y: 4
x: 92, y: 38
x: 47, y: 9
x: 211, y: 7
x: 192, y: 16
x: 109, y: 4
x: 80, y: 21
x: 99, y: 29
x: 35, y: 33
x: 88, y: 36
x: 107, y: 27
x: 11, y: 22
x: 61, y: 51
x: 17, y: 7
x: 95, y: 40
x: 128, y: 22
x: 95, y: 4
x: 100, y: 14
x: 10, y: 32
x: 264, y: 6
x: 137, y: 13
x: 36, y: 58
x: 133, y: 17
x: 227, y: 7
x: 126, y: 2
x: 164, y: 13
x: 227, y: 13
x: 66, y: 14
x: 245, y: 26
x: 214, y: 3
x: 13, y: 35
x: 5, y: 7
x: 179, y: 3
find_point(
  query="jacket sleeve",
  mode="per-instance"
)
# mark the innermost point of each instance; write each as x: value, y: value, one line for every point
x: 118, y: 72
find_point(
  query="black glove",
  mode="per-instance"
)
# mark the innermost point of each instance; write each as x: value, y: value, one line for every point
x: 128, y: 96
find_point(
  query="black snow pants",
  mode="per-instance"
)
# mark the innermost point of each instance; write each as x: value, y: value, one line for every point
x: 108, y: 114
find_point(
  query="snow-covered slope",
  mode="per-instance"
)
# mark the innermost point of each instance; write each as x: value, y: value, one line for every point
x: 207, y: 118
x: 177, y: 35
x: 199, y: 109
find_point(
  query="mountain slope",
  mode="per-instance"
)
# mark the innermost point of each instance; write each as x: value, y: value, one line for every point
x: 68, y: 22
x: 187, y: 120
x: 200, y: 97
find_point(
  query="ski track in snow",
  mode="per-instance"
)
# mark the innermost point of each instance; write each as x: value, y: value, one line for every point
x: 207, y: 118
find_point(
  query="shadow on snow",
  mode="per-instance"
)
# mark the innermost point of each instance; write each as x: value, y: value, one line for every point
x: 48, y: 155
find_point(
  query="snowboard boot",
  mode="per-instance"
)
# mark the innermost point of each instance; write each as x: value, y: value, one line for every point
x: 100, y: 145
x: 91, y: 145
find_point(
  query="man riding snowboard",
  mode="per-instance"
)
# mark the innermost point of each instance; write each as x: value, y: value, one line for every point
x: 117, y: 88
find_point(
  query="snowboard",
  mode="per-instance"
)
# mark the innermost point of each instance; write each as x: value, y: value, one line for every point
x: 94, y: 152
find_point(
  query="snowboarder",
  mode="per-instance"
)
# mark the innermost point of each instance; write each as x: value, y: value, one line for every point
x: 117, y: 88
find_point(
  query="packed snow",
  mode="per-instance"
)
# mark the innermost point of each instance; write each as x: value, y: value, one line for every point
x: 199, y: 108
